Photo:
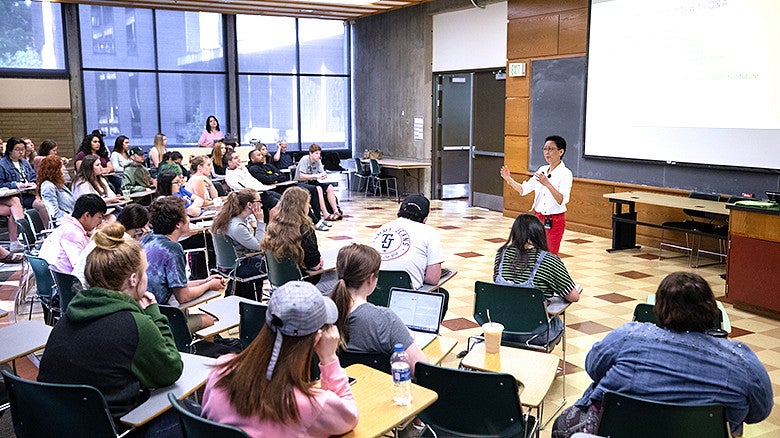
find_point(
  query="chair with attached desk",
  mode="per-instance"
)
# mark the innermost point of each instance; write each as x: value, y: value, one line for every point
x: 194, y: 426
x: 472, y: 403
x: 361, y: 173
x: 36, y: 223
x: 252, y: 319
x: 44, y: 283
x: 523, y: 312
x: 45, y: 409
x: 227, y: 264
x: 67, y: 287
x: 388, y: 280
x: 691, y: 227
x: 627, y: 416
x: 643, y: 312
x: 185, y: 343
x: 280, y: 271
x: 29, y: 239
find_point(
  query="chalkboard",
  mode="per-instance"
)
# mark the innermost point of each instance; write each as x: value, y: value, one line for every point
x: 558, y: 108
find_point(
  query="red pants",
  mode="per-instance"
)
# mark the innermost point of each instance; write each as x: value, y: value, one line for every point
x: 554, y: 234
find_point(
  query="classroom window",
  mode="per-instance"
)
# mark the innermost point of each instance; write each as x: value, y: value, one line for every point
x: 32, y: 37
x: 323, y: 46
x: 185, y: 102
x: 121, y: 103
x: 268, y: 108
x: 265, y: 44
x: 116, y: 38
x: 189, y: 41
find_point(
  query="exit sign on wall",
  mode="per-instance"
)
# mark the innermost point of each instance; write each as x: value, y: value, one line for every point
x: 517, y: 69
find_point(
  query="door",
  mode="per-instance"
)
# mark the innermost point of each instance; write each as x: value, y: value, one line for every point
x: 452, y: 135
x: 487, y: 157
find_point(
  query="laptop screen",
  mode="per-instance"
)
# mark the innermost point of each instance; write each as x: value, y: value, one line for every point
x: 420, y: 311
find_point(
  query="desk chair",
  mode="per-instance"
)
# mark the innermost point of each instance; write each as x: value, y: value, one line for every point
x: 81, y: 410
x: 377, y: 361
x: 522, y: 311
x: 67, y: 287
x: 36, y: 223
x: 361, y: 173
x: 228, y: 261
x: 473, y: 404
x: 29, y: 239
x: 376, y: 179
x: 193, y: 426
x: 690, y: 227
x: 252, y: 319
x: 627, y: 416
x: 388, y: 280
x: 280, y: 271
x: 44, y: 282
x: 177, y: 322
x: 719, y: 233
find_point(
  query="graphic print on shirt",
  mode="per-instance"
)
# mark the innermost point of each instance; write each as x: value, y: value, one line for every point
x: 392, y: 243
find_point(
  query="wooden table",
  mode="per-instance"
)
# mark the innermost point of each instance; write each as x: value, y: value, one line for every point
x: 373, y: 392
x: 20, y: 339
x: 141, y: 194
x: 196, y: 371
x: 624, y: 222
x: 225, y: 310
x: 439, y: 348
x: 406, y: 166
x: 533, y: 370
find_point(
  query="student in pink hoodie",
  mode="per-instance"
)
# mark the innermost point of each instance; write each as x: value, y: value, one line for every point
x: 267, y: 391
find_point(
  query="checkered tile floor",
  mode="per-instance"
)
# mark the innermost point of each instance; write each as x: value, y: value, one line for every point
x: 613, y: 284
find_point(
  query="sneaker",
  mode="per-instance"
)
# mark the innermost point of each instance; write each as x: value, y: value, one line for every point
x: 16, y: 247
x: 327, y: 224
x: 321, y: 226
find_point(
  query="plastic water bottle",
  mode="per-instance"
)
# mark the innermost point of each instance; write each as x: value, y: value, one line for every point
x: 402, y: 376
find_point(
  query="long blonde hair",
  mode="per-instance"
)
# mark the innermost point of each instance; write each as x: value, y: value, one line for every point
x: 111, y: 262
x: 283, y: 234
x: 160, y: 146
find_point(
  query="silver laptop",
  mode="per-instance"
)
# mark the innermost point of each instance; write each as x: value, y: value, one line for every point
x: 420, y: 311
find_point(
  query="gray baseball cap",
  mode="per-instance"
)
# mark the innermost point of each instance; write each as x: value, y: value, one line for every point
x: 297, y: 309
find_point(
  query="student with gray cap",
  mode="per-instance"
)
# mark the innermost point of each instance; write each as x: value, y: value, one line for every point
x: 267, y: 390
x: 136, y: 177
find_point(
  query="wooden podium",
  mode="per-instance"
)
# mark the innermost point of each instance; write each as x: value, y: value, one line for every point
x: 752, y: 279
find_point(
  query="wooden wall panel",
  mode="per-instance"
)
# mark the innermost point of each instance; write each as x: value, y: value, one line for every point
x: 530, y: 8
x: 516, y: 118
x: 539, y: 36
x: 516, y: 152
x: 573, y: 31
x: 39, y: 125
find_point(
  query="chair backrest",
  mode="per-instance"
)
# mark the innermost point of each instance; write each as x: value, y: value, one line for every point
x: 252, y: 318
x: 280, y: 271
x: 626, y: 416
x: 221, y: 191
x: 194, y: 426
x: 388, y: 280
x: 80, y: 410
x: 177, y: 321
x: 43, y: 277
x: 519, y: 309
x: 377, y: 361
x: 67, y: 287
x: 375, y: 169
x: 457, y: 411
x: 27, y: 233
x: 226, y: 253
x: 643, y: 312
x: 34, y: 218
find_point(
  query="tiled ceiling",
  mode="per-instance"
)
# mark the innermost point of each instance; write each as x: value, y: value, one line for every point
x: 328, y: 9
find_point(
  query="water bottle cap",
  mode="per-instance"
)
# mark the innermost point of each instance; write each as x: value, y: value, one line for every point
x: 399, y: 348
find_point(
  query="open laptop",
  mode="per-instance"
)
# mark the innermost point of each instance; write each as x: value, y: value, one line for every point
x: 420, y: 311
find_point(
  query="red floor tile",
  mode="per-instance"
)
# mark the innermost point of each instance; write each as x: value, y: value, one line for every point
x: 615, y: 298
x: 634, y: 275
x: 468, y: 254
x: 589, y: 327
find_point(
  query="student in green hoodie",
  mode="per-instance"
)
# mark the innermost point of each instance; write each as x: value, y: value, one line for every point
x: 113, y: 336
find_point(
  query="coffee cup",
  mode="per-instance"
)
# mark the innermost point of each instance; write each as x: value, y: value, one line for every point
x: 126, y: 194
x: 492, y: 332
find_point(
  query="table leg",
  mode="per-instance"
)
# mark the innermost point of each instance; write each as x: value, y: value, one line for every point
x: 623, y: 227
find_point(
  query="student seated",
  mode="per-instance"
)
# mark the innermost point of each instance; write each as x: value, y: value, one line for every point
x: 267, y: 390
x: 113, y: 336
x: 311, y: 171
x: 363, y: 326
x: 169, y: 183
x: 524, y: 261
x: 136, y: 176
x: 66, y: 243
x: 291, y: 235
x: 17, y: 173
x: 674, y: 362
x: 237, y: 219
x: 55, y: 193
x: 200, y: 182
x: 89, y: 179
x: 167, y: 269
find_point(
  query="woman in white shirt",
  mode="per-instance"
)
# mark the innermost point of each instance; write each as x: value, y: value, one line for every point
x: 119, y: 157
x: 89, y: 179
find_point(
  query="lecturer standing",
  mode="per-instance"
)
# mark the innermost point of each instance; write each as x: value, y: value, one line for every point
x: 552, y: 184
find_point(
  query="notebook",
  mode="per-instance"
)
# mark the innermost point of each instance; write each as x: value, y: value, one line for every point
x: 420, y: 311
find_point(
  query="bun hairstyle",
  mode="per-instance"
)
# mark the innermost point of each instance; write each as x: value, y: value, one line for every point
x: 114, y: 258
